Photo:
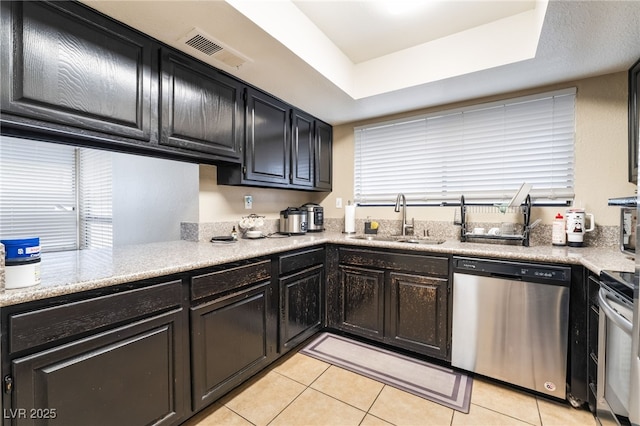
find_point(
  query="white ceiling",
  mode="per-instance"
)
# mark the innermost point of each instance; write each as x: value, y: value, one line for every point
x: 365, y: 30
x: 343, y: 61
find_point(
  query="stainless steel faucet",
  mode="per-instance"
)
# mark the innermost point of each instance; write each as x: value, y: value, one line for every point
x: 401, y: 199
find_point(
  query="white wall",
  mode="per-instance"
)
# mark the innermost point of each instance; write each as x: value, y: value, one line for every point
x: 151, y: 197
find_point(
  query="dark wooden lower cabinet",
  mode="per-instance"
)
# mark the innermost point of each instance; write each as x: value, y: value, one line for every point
x: 397, y: 298
x: 362, y: 307
x: 232, y: 338
x: 132, y: 375
x: 418, y: 313
x: 301, y: 305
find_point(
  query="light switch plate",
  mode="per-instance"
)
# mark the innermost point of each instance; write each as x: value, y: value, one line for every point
x: 338, y: 203
x: 248, y: 202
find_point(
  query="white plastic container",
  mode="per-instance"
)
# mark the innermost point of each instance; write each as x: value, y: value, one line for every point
x: 23, y: 275
x: 22, y: 263
x: 559, y: 232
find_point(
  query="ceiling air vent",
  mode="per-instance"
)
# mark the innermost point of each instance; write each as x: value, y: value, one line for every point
x: 212, y: 48
x: 203, y: 44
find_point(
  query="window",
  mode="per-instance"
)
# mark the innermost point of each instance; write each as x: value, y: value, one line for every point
x: 95, y: 201
x: 59, y: 193
x: 484, y: 152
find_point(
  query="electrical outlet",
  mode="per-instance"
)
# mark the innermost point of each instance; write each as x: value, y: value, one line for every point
x: 338, y: 203
x: 248, y: 202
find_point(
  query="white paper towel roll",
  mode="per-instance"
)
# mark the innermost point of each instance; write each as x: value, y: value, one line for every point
x: 350, y: 218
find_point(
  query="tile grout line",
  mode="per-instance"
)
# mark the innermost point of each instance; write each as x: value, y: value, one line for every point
x: 297, y: 396
x: 288, y: 405
x: 237, y: 414
x: 333, y: 397
x: 505, y: 414
x: 539, y: 413
x: 371, y: 406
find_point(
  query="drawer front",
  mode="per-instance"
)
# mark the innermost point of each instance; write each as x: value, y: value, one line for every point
x: 295, y: 261
x: 425, y: 264
x: 229, y: 279
x: 31, y: 329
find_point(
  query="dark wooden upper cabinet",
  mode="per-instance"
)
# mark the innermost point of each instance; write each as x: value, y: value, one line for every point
x: 284, y: 148
x: 323, y: 155
x: 201, y: 109
x: 64, y: 64
x: 302, y: 145
x: 267, y: 139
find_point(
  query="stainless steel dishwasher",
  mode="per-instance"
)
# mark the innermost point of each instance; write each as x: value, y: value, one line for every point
x: 511, y: 322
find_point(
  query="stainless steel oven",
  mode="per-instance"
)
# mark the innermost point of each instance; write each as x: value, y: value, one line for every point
x: 615, y: 299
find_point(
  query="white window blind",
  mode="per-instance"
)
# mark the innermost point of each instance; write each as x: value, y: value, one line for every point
x: 484, y: 152
x: 38, y: 192
x: 95, y: 186
x: 59, y: 193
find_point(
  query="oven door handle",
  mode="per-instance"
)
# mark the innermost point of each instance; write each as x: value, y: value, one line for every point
x: 618, y: 319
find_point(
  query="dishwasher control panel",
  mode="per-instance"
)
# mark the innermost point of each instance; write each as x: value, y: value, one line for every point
x: 513, y: 270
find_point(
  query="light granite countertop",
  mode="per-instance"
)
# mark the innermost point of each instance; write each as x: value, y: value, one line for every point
x: 74, y: 271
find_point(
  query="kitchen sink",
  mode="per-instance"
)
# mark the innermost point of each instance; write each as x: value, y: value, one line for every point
x: 398, y: 239
x: 374, y: 238
x: 420, y: 241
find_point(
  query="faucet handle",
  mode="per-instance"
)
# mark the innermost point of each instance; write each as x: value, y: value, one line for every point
x: 411, y: 228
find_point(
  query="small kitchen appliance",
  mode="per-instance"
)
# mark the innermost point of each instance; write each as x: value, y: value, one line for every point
x: 576, y: 227
x: 293, y: 221
x: 315, y: 217
x: 628, y: 222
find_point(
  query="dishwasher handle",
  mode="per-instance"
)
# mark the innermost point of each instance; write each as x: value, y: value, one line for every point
x: 611, y: 313
x: 506, y: 276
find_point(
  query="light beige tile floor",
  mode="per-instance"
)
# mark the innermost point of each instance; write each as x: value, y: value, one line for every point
x: 303, y: 391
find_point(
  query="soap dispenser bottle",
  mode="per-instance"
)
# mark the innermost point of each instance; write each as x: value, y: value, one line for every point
x: 559, y: 232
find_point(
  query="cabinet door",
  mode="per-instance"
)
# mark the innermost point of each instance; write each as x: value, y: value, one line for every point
x: 362, y: 310
x: 267, y: 151
x: 301, y: 306
x: 302, y: 145
x: 232, y: 338
x: 201, y: 108
x: 64, y: 64
x: 134, y: 375
x: 418, y: 314
x: 323, y: 156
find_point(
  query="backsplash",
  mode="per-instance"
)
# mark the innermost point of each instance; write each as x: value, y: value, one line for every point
x: 193, y: 231
x: 602, y: 236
